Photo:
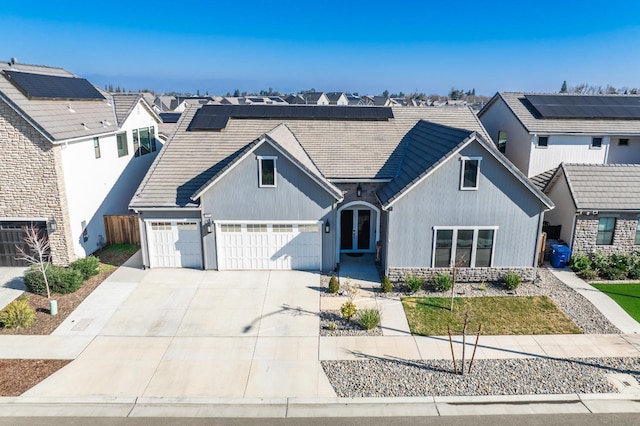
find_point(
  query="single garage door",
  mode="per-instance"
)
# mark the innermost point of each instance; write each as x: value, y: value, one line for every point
x: 174, y: 244
x: 11, y: 236
x: 269, y: 245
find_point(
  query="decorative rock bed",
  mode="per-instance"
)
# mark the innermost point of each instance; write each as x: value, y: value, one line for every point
x: 343, y: 327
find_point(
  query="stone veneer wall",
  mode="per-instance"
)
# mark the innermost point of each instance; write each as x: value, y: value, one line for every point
x: 31, y: 180
x: 468, y: 275
x: 624, y: 234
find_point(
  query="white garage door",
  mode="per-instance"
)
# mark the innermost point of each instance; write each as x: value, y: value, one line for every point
x: 269, y: 245
x: 174, y: 244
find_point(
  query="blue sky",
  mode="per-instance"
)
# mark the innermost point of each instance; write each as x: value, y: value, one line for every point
x: 365, y: 47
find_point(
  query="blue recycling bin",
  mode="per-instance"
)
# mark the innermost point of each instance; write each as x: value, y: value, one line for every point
x: 560, y: 255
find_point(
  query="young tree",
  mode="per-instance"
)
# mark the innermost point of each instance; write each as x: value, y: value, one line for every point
x: 385, y: 93
x: 236, y: 93
x: 38, y: 252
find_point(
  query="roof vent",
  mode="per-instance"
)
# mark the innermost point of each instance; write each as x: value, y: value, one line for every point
x: 70, y: 109
x: 105, y: 123
x: 85, y: 126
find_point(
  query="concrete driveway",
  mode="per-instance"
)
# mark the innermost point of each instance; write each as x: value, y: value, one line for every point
x: 11, y: 284
x: 191, y: 334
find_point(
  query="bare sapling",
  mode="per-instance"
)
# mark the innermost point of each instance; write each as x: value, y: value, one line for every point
x: 38, y: 252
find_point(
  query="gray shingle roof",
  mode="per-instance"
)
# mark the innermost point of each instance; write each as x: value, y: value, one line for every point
x: 426, y: 145
x: 603, y: 187
x: 59, y: 119
x: 340, y: 149
x: 530, y: 120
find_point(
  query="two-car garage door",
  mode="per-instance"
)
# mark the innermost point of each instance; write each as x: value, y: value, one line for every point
x: 269, y: 245
x: 239, y: 245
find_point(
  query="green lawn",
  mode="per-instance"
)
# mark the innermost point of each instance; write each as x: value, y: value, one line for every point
x: 429, y: 316
x: 625, y: 295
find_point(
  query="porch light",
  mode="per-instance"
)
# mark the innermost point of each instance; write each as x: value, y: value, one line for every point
x: 359, y: 191
x: 327, y: 228
x: 207, y: 223
x: 52, y: 225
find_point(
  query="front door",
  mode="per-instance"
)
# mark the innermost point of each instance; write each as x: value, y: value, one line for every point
x: 355, y: 230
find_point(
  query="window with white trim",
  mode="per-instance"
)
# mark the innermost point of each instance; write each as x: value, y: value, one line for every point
x: 267, y: 172
x: 464, y: 247
x: 470, y: 173
x: 596, y: 143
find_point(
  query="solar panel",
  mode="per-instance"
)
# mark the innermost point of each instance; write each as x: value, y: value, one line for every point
x: 586, y: 106
x: 42, y: 86
x: 216, y: 117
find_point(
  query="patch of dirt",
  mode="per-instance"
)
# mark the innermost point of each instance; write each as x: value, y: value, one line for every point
x: 20, y: 375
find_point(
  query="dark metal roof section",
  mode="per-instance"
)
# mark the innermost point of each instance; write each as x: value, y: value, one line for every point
x: 40, y: 86
x: 170, y: 117
x: 586, y: 106
x: 216, y: 117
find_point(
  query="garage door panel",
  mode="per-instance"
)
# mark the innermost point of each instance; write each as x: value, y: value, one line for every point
x: 270, y: 246
x: 174, y: 244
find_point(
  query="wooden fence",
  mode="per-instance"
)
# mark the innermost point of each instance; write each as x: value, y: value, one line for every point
x: 122, y: 229
x: 541, y: 248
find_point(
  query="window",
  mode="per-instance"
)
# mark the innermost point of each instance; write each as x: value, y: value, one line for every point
x: 502, y: 141
x: 267, y: 171
x: 637, y: 242
x: 96, y: 147
x: 543, y: 141
x: 144, y: 141
x: 606, y: 225
x: 187, y: 226
x: 596, y: 142
x: 282, y: 228
x: 231, y: 227
x: 256, y: 227
x: 308, y: 228
x: 470, y: 169
x: 623, y: 142
x: 85, y: 233
x: 465, y: 247
x: 123, y: 148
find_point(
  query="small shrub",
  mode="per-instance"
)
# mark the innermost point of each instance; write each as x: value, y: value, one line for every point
x: 413, y: 283
x: 88, y: 267
x: 620, y: 261
x: 18, y: 314
x: 511, y: 281
x: 580, y: 262
x: 599, y: 261
x: 334, y: 284
x: 612, y: 273
x: 386, y: 285
x: 34, y: 280
x: 588, y: 274
x: 442, y: 282
x: 332, y: 326
x: 369, y: 318
x: 634, y: 272
x: 348, y: 310
x: 482, y: 286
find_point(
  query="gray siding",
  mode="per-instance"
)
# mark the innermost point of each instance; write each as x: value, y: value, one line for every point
x: 501, y: 200
x: 296, y: 196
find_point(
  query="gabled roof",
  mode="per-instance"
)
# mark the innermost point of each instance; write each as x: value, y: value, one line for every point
x: 601, y: 187
x: 312, y: 96
x: 334, y: 96
x: 124, y: 103
x: 533, y: 122
x: 542, y: 180
x: 427, y: 146
x: 339, y: 149
x: 284, y: 141
x: 58, y: 119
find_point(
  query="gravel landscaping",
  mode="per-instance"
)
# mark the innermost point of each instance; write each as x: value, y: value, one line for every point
x: 342, y: 326
x: 398, y: 378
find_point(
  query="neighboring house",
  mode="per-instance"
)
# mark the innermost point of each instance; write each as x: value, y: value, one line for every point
x: 337, y: 98
x: 294, y: 187
x: 538, y: 132
x: 309, y: 98
x: 383, y: 101
x: 357, y: 100
x: 70, y: 154
x: 597, y: 206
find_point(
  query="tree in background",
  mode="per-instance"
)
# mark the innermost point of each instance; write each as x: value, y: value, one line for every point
x: 563, y: 89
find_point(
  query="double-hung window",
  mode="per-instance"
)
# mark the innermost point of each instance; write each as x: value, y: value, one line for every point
x: 606, y: 225
x: 96, y: 147
x: 267, y: 172
x: 470, y: 173
x: 464, y: 247
x: 637, y: 241
x: 502, y: 141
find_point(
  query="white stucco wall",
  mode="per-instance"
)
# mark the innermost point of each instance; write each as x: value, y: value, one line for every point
x: 629, y: 154
x: 103, y: 186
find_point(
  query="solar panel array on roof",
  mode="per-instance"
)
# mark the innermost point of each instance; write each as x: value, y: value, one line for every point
x: 170, y: 117
x: 586, y: 106
x: 43, y: 86
x: 215, y: 117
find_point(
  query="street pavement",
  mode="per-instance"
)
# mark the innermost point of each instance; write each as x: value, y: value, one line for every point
x: 246, y: 344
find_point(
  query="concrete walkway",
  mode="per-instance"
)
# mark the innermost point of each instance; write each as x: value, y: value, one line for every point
x: 11, y: 284
x: 601, y: 301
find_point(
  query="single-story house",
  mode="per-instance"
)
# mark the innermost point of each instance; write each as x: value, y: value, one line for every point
x: 298, y: 187
x: 597, y: 206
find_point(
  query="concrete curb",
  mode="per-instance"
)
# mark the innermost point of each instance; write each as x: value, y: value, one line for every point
x: 318, y: 407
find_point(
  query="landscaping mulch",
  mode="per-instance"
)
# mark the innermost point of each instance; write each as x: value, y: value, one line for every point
x: 20, y: 375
